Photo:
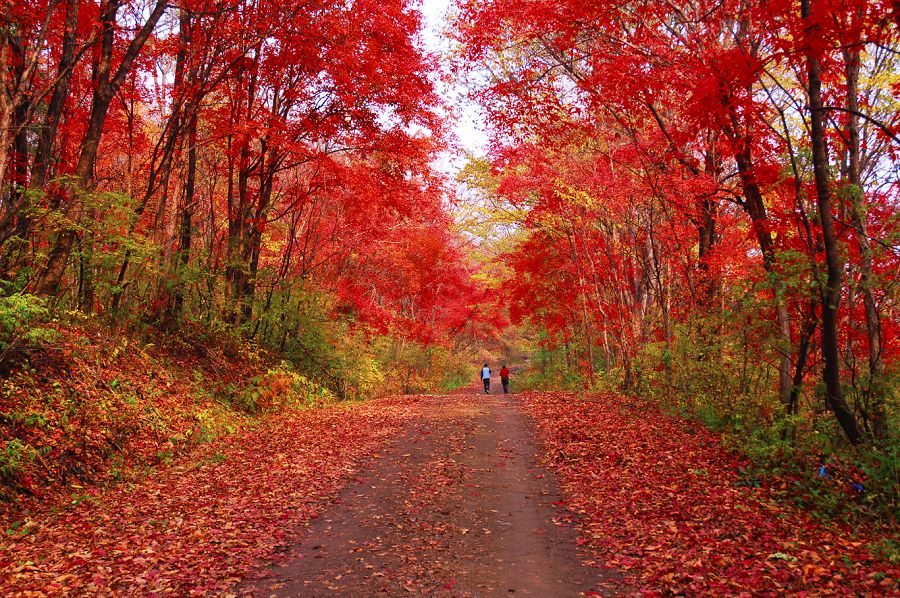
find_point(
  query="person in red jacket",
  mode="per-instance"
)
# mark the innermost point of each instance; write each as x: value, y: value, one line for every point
x: 504, y: 378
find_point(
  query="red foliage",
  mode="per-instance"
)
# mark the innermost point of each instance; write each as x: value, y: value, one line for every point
x: 660, y: 500
x: 661, y: 153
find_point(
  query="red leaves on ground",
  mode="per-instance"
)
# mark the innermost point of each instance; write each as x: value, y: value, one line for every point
x: 202, y: 525
x: 660, y: 501
x: 101, y: 406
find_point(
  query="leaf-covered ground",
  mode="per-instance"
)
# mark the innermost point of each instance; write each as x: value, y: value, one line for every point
x: 457, y: 507
x: 655, y: 498
x: 103, y: 407
x: 660, y: 500
x: 199, y: 526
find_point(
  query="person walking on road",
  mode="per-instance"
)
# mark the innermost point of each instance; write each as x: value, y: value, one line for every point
x: 504, y: 379
x: 486, y: 378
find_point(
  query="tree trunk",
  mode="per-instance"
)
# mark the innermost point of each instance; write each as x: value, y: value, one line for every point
x: 757, y: 211
x: 105, y: 89
x: 42, y: 167
x: 585, y: 320
x: 831, y: 293
x: 858, y: 218
x: 187, y: 211
x: 16, y: 223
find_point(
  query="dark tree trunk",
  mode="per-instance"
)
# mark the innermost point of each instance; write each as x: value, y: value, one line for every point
x: 47, y: 135
x: 187, y: 210
x: 831, y: 293
x: 105, y: 89
x: 163, y: 159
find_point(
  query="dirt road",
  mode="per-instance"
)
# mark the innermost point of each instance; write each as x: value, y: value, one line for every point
x: 457, y: 506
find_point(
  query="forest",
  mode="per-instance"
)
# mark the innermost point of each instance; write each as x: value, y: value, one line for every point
x: 221, y: 220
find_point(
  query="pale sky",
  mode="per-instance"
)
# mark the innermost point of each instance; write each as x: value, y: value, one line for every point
x: 469, y: 127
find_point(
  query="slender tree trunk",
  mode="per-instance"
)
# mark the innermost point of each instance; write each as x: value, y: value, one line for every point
x: 105, y: 89
x: 47, y: 135
x: 239, y: 216
x: 187, y: 210
x: 585, y: 321
x: 7, y: 100
x: 807, y: 333
x: 13, y: 147
x: 858, y: 218
x: 831, y: 293
x: 14, y: 231
x: 42, y: 167
x: 233, y: 240
x: 86, y: 288
x: 759, y: 219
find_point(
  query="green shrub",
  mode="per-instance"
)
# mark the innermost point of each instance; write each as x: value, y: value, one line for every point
x: 21, y: 316
x: 888, y: 549
x: 277, y: 389
x: 14, y: 455
x: 711, y: 417
x: 454, y: 380
x: 881, y: 466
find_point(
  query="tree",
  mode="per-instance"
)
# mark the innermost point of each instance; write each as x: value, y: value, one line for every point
x: 689, y: 92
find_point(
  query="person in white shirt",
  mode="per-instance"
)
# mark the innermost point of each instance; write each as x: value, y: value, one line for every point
x: 486, y: 378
